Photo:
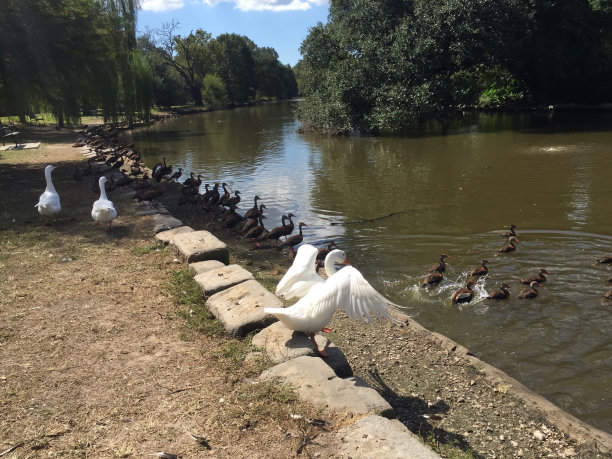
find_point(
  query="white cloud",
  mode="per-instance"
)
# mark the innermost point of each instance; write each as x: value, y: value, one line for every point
x: 270, y: 5
x: 161, y: 5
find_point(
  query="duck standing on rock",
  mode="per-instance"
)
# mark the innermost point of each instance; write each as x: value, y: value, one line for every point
x: 501, y: 294
x: 463, y: 295
x: 103, y: 210
x: 480, y: 270
x: 531, y: 291
x: 540, y: 278
x: 49, y: 202
x: 345, y: 289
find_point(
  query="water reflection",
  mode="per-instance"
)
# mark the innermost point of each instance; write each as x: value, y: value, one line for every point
x: 396, y: 204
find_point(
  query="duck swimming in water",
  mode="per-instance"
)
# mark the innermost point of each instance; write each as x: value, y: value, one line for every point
x: 531, y: 291
x: 345, y: 289
x: 511, y: 231
x: 540, y: 278
x: 48, y: 202
x: 480, y: 270
x: 433, y: 279
x: 463, y: 295
x: 501, y: 294
x: 511, y: 247
x: 604, y: 260
x: 441, y: 266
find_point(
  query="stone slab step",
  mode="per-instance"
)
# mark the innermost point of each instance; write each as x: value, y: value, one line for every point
x: 167, y: 236
x: 165, y: 223
x: 200, y: 246
x: 203, y: 266
x: 282, y: 344
x: 218, y: 279
x: 317, y: 383
x: 378, y: 437
x: 240, y: 308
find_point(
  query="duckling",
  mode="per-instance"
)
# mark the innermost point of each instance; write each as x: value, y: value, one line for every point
x: 500, y: 294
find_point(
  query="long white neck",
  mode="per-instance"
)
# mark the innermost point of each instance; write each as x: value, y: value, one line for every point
x: 330, y: 266
x: 50, y: 186
x: 103, y: 189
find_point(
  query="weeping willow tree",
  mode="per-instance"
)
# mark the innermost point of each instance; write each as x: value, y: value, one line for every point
x: 63, y: 55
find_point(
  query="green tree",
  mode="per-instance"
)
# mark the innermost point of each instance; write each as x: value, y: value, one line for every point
x: 65, y: 54
x: 189, y: 56
x: 233, y: 62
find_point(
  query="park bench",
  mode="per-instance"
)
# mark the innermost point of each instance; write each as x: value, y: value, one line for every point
x: 36, y: 118
x: 7, y: 133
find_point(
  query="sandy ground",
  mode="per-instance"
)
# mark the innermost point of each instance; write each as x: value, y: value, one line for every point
x: 98, y: 360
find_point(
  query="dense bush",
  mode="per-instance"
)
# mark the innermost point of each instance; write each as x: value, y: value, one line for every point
x: 379, y: 65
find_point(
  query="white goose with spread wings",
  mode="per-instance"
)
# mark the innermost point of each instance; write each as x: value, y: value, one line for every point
x: 345, y: 289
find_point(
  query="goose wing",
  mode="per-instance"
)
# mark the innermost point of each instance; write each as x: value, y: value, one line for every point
x: 348, y: 290
x: 302, y: 270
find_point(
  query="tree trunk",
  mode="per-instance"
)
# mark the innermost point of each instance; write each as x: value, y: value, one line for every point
x: 196, y: 93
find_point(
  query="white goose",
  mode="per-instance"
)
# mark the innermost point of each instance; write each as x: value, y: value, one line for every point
x: 49, y: 202
x: 103, y: 210
x: 302, y: 274
x: 345, y: 289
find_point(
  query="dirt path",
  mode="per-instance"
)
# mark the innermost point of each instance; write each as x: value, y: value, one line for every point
x: 106, y: 351
x: 94, y: 358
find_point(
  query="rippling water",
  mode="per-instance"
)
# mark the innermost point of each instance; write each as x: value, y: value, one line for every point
x: 453, y: 191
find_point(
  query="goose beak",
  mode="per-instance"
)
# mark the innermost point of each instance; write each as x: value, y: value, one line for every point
x: 346, y: 262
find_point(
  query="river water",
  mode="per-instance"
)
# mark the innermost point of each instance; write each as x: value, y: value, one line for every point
x: 449, y: 190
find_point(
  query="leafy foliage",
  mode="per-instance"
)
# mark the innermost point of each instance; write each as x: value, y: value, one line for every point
x: 67, y: 54
x: 380, y: 65
x: 247, y: 73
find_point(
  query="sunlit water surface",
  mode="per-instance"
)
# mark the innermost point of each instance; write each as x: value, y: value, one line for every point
x: 453, y: 191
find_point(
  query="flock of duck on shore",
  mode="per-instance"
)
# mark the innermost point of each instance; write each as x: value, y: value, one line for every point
x: 465, y: 294
x: 114, y: 154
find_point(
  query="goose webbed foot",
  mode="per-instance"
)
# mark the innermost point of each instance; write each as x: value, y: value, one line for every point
x: 321, y: 352
x: 327, y: 330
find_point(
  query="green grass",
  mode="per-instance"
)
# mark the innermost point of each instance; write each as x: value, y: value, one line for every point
x: 190, y: 302
x: 146, y: 249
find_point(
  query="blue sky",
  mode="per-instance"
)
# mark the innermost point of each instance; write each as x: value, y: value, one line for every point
x: 279, y: 24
